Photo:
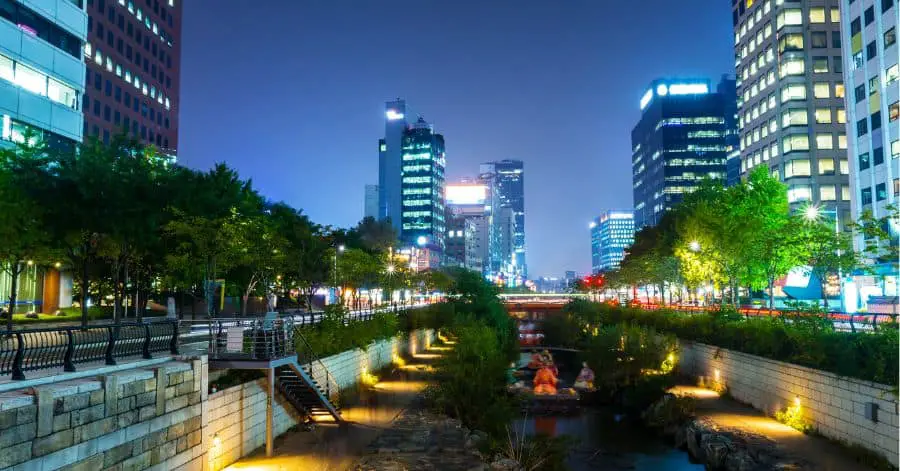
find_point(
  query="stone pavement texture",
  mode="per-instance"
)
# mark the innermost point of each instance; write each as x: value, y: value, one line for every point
x: 752, y: 427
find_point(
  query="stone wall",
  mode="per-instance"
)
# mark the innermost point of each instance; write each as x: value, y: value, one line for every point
x: 159, y: 418
x: 237, y: 421
x: 346, y: 368
x: 834, y: 405
x: 135, y: 419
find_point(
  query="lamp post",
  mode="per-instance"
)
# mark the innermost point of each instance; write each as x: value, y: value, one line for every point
x: 338, y: 249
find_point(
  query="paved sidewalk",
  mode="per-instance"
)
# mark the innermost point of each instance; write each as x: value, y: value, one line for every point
x: 818, y: 453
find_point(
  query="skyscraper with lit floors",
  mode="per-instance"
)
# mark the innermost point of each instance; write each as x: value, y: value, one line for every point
x: 390, y: 162
x: 422, y: 188
x: 791, y: 98
x: 42, y: 71
x: 611, y: 233
x: 872, y: 78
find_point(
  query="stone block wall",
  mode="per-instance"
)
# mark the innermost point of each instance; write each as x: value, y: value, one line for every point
x: 135, y: 419
x: 834, y: 405
x: 346, y: 368
x: 237, y: 421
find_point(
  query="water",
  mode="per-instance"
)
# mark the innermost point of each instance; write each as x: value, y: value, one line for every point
x: 604, y: 439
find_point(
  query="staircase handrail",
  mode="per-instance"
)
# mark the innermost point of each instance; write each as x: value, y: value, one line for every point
x: 311, y: 357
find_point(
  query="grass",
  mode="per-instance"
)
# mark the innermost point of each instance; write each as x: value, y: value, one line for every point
x: 70, y: 314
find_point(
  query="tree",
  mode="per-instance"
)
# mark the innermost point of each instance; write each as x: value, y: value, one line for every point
x: 22, y: 235
x: 355, y: 270
x: 830, y: 253
x: 376, y: 236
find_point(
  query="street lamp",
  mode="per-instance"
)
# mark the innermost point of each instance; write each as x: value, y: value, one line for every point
x: 811, y: 213
x: 694, y: 246
x: 339, y: 249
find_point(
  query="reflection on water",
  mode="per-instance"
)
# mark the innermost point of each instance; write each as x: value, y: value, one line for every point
x: 605, y: 443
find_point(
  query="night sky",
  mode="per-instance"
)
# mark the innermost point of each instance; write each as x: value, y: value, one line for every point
x: 292, y: 92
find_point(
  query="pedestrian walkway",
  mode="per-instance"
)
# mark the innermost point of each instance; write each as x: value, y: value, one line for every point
x: 368, y: 413
x: 814, y: 452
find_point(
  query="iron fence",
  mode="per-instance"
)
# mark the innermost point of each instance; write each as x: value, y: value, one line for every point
x: 65, y: 347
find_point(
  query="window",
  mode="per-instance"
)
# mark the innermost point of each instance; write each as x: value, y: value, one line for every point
x: 886, y: 5
x: 789, y: 17
x: 895, y: 148
x: 791, y: 66
x: 876, y: 120
x: 817, y: 15
x: 877, y: 156
x: 824, y: 141
x: 839, y: 89
x: 862, y: 127
x: 31, y: 80
x: 897, y: 187
x: 871, y: 51
x: 838, y: 65
x: 822, y: 90
x: 869, y: 15
x: 820, y: 65
x: 845, y: 192
x: 796, y: 168
x: 793, y: 92
x: 826, y: 166
x: 795, y: 142
x: 827, y: 193
x: 845, y: 167
x: 842, y: 141
x: 835, y: 15
x: 799, y: 193
x: 841, y: 115
x: 866, y: 196
x: 857, y: 60
x: 790, y: 42
x: 62, y: 93
x: 818, y: 39
x: 890, y: 37
x: 793, y: 117
x: 892, y: 73
x: 860, y: 93
x: 864, y: 162
x: 894, y: 111
x: 823, y: 115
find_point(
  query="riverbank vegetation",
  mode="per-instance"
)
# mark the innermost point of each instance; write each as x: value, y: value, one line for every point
x: 805, y: 340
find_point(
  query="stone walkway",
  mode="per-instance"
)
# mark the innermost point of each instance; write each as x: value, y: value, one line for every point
x: 764, y: 433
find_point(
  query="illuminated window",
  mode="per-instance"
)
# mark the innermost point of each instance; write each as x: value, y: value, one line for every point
x: 892, y: 73
x: 844, y: 166
x: 822, y: 90
x: 790, y: 42
x: 823, y: 115
x: 795, y: 142
x: 827, y: 193
x: 791, y: 66
x: 62, y: 93
x: 6, y: 69
x: 824, y: 141
x: 793, y: 117
x: 797, y: 193
x: 817, y: 15
x: 894, y: 111
x: 839, y: 90
x: 796, y: 168
x: 835, y: 15
x: 793, y: 92
x: 890, y: 37
x: 789, y: 17
x: 845, y: 193
x: 826, y: 166
x: 895, y: 148
x: 31, y: 80
x: 820, y: 65
x: 841, y: 116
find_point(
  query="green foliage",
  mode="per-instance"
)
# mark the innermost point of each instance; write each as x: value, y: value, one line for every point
x: 333, y: 335
x: 536, y: 452
x: 804, y: 339
x: 793, y: 417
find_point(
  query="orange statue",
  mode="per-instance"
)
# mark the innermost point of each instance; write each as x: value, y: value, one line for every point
x: 545, y: 381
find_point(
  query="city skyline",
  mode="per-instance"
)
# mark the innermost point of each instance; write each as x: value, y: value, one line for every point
x: 570, y: 129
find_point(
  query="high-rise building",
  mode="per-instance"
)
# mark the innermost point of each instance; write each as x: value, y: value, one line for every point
x: 873, y: 112
x: 390, y: 162
x: 467, y: 210
x: 370, y: 210
x: 728, y: 88
x: 611, y: 233
x: 680, y: 140
x: 791, y: 97
x: 506, y: 180
x: 422, y: 187
x: 872, y: 77
x: 42, y: 71
x: 133, y: 57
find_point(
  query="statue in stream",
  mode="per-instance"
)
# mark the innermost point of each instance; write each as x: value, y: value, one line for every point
x: 585, y: 379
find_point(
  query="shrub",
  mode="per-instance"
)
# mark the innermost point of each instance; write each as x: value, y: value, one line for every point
x: 805, y: 339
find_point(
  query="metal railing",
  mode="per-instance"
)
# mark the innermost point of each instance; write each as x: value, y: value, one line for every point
x: 65, y: 347
x: 260, y: 338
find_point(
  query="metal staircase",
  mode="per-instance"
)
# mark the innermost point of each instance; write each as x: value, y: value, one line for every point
x: 272, y: 343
